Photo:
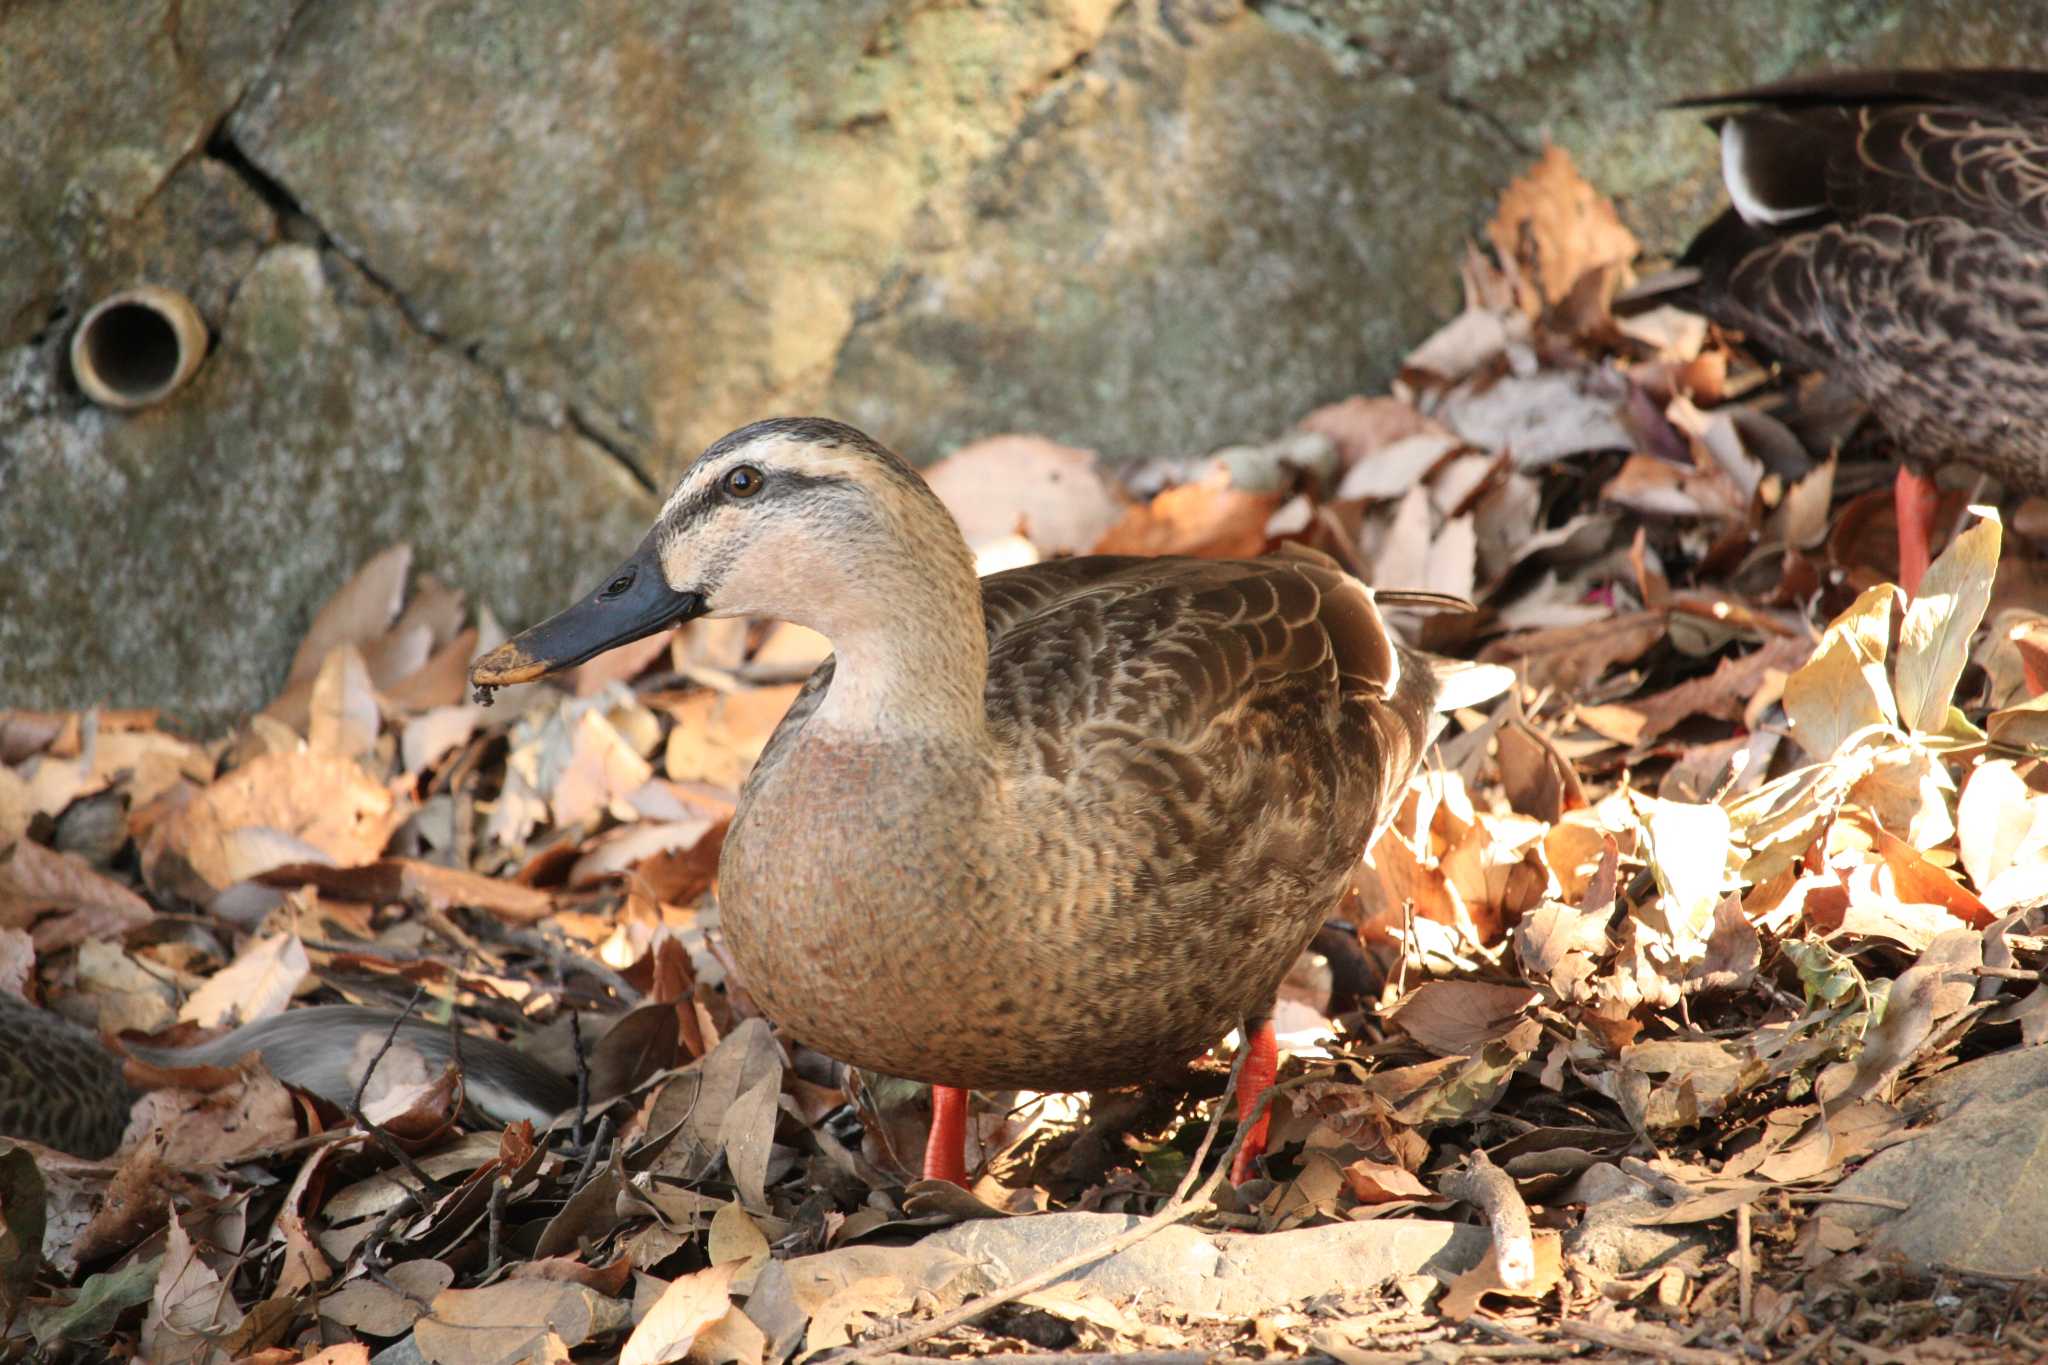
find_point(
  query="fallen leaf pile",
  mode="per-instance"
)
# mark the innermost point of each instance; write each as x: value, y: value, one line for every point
x: 1665, y: 952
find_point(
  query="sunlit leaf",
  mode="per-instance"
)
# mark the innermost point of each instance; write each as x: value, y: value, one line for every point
x: 1934, y: 638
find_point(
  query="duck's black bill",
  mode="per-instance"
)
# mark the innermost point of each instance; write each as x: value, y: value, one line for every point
x: 634, y: 601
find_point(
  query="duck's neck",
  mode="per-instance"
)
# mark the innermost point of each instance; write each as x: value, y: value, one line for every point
x: 911, y: 654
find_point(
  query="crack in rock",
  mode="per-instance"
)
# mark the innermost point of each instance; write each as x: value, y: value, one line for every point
x: 223, y: 149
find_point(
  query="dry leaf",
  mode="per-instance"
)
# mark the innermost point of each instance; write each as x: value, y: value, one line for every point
x: 1934, y: 638
x: 1459, y: 1017
x: 315, y: 799
x: 1842, y: 690
x: 1209, y: 518
x: 1055, y: 496
x: 530, y: 1320
x: 1557, y: 228
x: 690, y: 1304
x: 257, y: 984
x: 357, y: 614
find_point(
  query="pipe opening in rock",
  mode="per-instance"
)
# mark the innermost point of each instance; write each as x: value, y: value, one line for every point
x: 136, y: 346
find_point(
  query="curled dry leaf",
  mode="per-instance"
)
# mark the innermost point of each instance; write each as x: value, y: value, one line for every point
x: 61, y: 900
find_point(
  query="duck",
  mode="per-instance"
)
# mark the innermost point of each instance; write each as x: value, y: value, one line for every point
x: 61, y: 1086
x: 1060, y: 828
x: 1891, y: 228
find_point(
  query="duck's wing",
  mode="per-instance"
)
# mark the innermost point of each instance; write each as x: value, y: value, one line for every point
x: 1211, y: 684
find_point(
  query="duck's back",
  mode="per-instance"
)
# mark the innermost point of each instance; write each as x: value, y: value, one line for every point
x: 1892, y: 228
x: 1189, y: 757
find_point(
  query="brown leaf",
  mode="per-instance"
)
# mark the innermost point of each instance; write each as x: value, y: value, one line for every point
x: 530, y: 1320
x: 36, y: 882
x: 1377, y: 1182
x: 1054, y: 495
x: 1723, y: 695
x: 1572, y: 658
x: 1557, y: 228
x: 369, y: 1306
x: 619, y: 665
x: 1934, y: 638
x: 718, y: 736
x: 190, y: 1305
x: 1209, y: 518
x: 317, y: 799
x: 603, y: 770
x: 443, y: 680
x: 1360, y: 426
x: 624, y: 850
x: 358, y: 613
x: 343, y: 712
x: 1457, y: 1018
x: 1842, y: 689
x: 1461, y: 1298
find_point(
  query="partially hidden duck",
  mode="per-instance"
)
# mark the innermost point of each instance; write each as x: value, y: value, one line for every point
x: 1060, y: 828
x: 1891, y: 228
x: 62, y: 1087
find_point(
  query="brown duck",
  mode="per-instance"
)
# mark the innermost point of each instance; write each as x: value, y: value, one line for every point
x: 1060, y: 828
x: 1891, y: 227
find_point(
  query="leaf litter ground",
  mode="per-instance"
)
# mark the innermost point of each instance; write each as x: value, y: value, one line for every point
x: 1688, y: 1009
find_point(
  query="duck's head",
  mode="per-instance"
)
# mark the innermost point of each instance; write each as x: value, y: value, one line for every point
x: 798, y: 518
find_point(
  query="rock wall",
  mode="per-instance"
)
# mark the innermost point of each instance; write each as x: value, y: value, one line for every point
x: 483, y: 275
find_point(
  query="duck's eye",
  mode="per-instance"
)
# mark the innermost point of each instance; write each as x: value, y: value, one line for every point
x: 618, y: 585
x: 742, y: 481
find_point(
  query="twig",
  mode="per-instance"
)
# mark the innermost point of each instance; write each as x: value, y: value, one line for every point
x: 1648, y: 1346
x: 499, y: 1186
x: 1175, y: 1209
x: 1745, y: 1269
x: 1830, y: 1197
x: 1811, y: 1347
x: 1491, y: 1190
x: 376, y: 1130
x: 582, y: 1077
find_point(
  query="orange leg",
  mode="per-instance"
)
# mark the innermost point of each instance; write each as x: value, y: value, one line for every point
x: 945, y: 1153
x: 1915, y: 502
x: 1261, y: 1065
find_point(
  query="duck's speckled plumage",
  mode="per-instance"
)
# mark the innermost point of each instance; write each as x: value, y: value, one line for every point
x: 1060, y: 828
x: 1891, y: 228
x: 58, y: 1085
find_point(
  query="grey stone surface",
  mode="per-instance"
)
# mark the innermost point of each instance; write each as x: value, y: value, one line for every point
x: 99, y: 103
x: 1971, y: 1176
x: 179, y: 553
x: 588, y: 240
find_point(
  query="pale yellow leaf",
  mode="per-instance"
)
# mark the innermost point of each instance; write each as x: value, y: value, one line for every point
x: 1934, y: 639
x: 256, y: 985
x: 1842, y: 689
x: 358, y: 613
x: 343, y: 716
x: 688, y: 1306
